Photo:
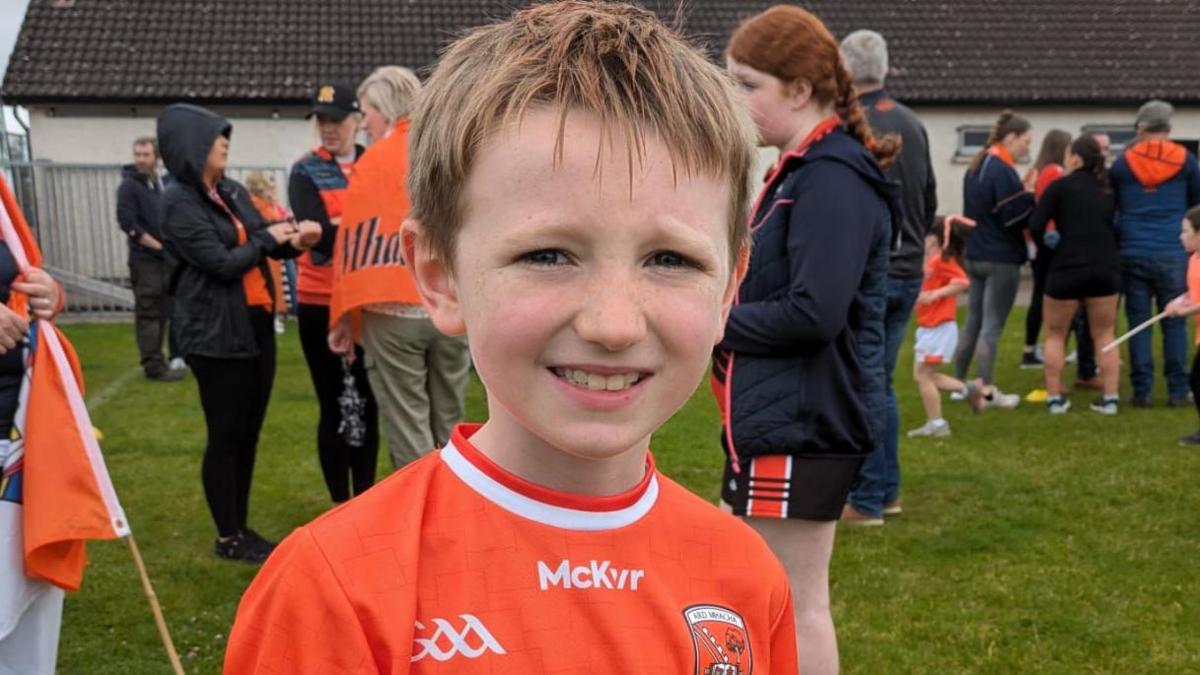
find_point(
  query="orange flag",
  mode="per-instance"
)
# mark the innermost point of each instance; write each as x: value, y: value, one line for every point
x: 368, y: 258
x: 68, y: 496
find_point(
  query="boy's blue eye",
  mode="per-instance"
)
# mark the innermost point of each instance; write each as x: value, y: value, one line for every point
x: 547, y: 256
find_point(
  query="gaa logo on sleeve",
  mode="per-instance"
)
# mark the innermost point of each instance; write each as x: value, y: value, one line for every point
x: 719, y: 637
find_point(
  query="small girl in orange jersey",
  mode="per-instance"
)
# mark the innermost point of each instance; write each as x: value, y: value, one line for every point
x: 1188, y: 304
x: 937, y: 328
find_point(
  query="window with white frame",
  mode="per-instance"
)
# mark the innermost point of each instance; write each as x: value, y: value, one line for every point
x: 971, y: 139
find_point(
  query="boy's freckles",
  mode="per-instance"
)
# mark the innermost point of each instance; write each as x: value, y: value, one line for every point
x: 592, y: 291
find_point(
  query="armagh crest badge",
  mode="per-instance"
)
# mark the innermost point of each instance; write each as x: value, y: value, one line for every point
x: 719, y: 637
x: 325, y: 94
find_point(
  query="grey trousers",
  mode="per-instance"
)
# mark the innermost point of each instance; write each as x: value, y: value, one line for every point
x: 151, y: 279
x: 419, y: 377
x: 989, y: 301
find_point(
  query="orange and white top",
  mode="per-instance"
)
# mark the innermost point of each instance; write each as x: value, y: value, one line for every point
x: 454, y: 565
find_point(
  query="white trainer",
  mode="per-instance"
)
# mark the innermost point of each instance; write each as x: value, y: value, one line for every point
x: 999, y: 399
x: 1058, y: 405
x: 931, y: 429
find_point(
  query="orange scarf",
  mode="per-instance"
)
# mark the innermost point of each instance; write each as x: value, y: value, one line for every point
x: 1003, y: 154
x: 253, y: 282
x: 818, y: 132
x: 368, y: 258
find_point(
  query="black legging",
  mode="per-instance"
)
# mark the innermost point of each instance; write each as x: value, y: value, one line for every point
x: 1033, y: 320
x: 340, y: 462
x: 234, y: 394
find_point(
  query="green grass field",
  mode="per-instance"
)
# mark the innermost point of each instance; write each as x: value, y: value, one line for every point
x: 1029, y: 544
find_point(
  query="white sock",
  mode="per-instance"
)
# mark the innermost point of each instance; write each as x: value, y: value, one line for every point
x: 939, y: 422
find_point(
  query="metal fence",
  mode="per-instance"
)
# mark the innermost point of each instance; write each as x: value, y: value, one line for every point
x: 73, y: 211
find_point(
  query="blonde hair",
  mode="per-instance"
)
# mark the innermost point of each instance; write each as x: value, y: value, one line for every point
x: 611, y: 59
x: 392, y: 90
x: 259, y: 183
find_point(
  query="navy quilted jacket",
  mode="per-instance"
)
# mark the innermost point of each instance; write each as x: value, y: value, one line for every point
x: 1000, y: 205
x: 801, y: 362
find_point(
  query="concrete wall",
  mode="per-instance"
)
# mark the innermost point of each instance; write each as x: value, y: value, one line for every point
x: 273, y: 137
x: 103, y: 135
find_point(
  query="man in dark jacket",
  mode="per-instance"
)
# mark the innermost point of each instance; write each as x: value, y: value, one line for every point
x: 1156, y: 181
x: 877, y: 491
x: 139, y: 215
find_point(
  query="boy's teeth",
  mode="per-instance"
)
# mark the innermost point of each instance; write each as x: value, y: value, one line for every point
x: 599, y: 382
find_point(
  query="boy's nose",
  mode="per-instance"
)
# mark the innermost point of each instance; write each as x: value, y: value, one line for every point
x: 612, y: 314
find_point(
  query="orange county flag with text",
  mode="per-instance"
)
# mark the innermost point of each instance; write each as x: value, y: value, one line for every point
x: 55, y: 492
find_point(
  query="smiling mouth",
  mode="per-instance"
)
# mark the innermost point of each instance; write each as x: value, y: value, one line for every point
x: 597, y: 381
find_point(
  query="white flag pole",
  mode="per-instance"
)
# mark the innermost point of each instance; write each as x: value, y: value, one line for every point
x: 1137, y: 329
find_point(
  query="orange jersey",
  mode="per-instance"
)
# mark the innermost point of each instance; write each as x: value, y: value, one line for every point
x: 939, y: 274
x: 315, y: 279
x: 1193, y: 284
x: 453, y: 565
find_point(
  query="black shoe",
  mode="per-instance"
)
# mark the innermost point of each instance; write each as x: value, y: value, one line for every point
x: 1184, y: 402
x: 241, y: 549
x: 1193, y: 439
x: 258, y: 541
x: 1031, y: 360
x: 1141, y: 402
x: 166, y: 375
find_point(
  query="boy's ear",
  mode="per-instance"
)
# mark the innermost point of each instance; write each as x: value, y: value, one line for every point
x: 435, y: 280
x: 736, y: 275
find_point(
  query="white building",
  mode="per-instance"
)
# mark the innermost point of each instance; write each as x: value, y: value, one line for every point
x: 95, y: 74
x: 101, y: 134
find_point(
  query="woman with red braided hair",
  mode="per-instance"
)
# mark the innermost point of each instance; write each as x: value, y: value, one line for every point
x: 799, y: 373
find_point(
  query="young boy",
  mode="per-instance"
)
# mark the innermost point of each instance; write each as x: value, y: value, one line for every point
x: 579, y: 185
x: 1188, y: 304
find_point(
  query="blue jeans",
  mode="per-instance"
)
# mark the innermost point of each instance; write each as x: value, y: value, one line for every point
x: 879, y: 478
x: 289, y: 275
x: 1159, y: 279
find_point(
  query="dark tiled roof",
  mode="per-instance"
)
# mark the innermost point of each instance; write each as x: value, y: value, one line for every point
x: 274, y: 51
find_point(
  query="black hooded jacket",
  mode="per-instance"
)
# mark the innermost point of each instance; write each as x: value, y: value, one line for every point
x: 139, y: 210
x: 801, y: 362
x: 210, y: 310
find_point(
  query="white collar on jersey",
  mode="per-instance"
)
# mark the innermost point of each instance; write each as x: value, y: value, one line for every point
x: 538, y: 510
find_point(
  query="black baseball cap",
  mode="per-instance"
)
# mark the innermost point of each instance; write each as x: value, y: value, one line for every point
x: 335, y: 100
